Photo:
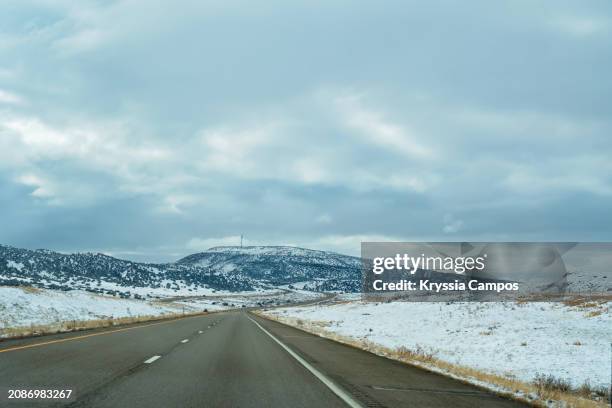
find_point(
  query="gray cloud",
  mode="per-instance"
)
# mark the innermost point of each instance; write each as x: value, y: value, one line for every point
x: 153, y: 134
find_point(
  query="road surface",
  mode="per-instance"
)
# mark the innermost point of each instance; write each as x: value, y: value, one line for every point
x: 231, y: 359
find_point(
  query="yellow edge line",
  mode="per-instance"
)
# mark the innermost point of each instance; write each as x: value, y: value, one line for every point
x: 44, y: 343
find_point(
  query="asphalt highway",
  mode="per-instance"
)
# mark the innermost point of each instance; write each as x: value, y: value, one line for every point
x: 231, y: 359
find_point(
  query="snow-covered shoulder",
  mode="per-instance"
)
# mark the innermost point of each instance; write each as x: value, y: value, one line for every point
x: 517, y: 340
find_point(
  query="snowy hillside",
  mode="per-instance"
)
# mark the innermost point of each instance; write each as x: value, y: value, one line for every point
x: 22, y: 307
x: 586, y: 282
x: 282, y: 265
x: 219, y: 270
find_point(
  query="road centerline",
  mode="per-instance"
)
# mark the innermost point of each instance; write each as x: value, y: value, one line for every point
x: 85, y: 336
x: 152, y: 359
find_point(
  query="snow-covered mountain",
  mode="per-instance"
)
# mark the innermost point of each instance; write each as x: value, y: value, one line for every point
x: 219, y: 269
x: 283, y: 265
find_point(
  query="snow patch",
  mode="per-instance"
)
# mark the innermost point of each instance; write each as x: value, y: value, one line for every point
x: 15, y: 265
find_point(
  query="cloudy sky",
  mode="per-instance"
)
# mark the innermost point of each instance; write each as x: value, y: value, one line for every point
x: 152, y: 130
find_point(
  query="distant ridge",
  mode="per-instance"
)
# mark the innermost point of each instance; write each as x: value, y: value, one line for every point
x: 217, y: 269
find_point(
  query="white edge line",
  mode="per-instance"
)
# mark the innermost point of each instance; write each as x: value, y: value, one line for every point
x: 152, y: 359
x: 344, y: 396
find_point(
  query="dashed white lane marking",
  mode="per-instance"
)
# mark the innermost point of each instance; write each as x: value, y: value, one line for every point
x: 184, y: 341
x: 344, y: 396
x: 152, y: 359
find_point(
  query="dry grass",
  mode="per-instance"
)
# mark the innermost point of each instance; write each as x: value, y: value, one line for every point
x: 592, y: 305
x: 502, y: 385
x: 594, y: 313
x: 586, y: 302
x: 78, y: 325
x: 550, y: 387
x: 588, y: 391
x: 30, y: 289
x: 569, y: 299
x: 403, y: 353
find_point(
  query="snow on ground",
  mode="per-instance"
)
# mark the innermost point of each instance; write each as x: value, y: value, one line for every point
x: 25, y: 306
x: 267, y: 250
x: 162, y: 291
x: 215, y: 304
x: 249, y: 299
x: 208, y: 304
x: 15, y: 265
x: 183, y: 290
x: 510, y: 339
